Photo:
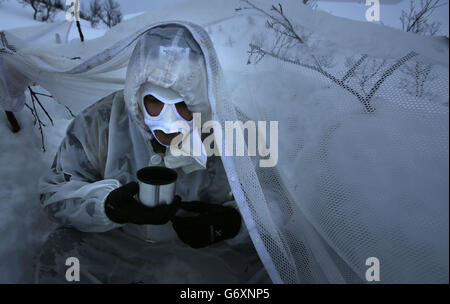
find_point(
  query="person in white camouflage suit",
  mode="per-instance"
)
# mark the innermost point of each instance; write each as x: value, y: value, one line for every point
x: 91, y: 187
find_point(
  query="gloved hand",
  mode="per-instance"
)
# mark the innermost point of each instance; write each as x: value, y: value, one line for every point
x: 121, y: 207
x: 214, y: 223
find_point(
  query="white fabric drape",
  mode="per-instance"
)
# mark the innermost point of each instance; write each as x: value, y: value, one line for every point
x: 349, y: 184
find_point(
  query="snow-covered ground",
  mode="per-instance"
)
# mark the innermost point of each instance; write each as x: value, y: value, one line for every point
x: 13, y: 14
x: 23, y: 226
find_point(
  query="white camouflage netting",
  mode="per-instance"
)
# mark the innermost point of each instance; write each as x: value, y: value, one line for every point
x: 363, y: 131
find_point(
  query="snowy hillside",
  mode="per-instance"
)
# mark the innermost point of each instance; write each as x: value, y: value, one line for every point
x: 23, y: 226
x: 13, y: 15
x: 330, y: 117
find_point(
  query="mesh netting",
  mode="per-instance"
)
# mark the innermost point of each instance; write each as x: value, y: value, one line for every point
x: 362, y: 168
x: 362, y: 172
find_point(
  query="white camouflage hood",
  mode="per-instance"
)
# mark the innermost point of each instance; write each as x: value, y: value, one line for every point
x: 168, y: 56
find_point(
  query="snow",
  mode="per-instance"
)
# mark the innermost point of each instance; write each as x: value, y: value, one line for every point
x: 13, y: 14
x: 23, y: 226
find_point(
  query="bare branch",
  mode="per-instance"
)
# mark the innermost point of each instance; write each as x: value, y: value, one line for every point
x: 283, y: 22
x: 284, y: 32
x: 35, y: 98
x: 419, y: 72
x: 351, y: 71
x: 36, y: 118
x: 417, y: 19
x: 41, y: 94
x: 310, y: 3
x: 389, y: 72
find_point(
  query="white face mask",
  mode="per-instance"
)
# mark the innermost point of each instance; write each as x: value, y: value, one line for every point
x: 168, y: 120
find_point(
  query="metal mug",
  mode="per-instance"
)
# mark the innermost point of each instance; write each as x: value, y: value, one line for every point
x: 156, y: 185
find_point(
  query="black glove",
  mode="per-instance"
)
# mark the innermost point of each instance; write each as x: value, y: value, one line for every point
x: 121, y: 207
x: 214, y: 223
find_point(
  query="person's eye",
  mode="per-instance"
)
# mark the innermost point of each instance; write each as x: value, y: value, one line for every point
x: 152, y: 105
x: 183, y: 110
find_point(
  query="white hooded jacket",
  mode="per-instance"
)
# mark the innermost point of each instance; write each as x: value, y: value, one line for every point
x: 109, y: 142
x: 103, y: 149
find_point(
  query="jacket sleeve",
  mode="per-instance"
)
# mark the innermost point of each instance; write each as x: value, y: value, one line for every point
x: 73, y: 191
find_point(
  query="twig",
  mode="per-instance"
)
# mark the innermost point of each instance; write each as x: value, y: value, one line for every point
x: 365, y: 78
x: 288, y: 24
x: 35, y: 115
x: 34, y: 97
x: 426, y: 73
x: 285, y: 23
x: 37, y: 119
x: 389, y: 72
x: 429, y: 7
x: 46, y: 95
x: 51, y: 96
x: 351, y: 71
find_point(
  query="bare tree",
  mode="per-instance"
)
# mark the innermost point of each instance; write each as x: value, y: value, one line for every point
x: 418, y: 74
x: 35, y: 5
x: 59, y: 5
x: 365, y: 75
x: 84, y: 13
x: 44, y: 10
x: 95, y: 12
x: 290, y: 45
x: 417, y: 19
x: 286, y: 36
x: 33, y: 109
x: 37, y: 119
x: 310, y: 3
x: 48, y: 9
x: 111, y: 13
